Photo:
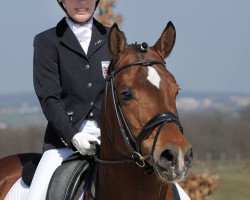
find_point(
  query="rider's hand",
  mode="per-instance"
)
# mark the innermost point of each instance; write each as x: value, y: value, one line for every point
x: 82, y: 142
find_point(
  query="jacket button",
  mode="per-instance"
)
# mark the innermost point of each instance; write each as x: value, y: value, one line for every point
x: 91, y: 114
x: 89, y: 85
x: 91, y: 103
x: 87, y: 66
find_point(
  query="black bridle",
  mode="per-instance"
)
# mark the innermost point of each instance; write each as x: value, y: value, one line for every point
x: 134, y: 144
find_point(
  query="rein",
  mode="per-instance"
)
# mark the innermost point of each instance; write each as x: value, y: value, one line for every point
x: 134, y: 144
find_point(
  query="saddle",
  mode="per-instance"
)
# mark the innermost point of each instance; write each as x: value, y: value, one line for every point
x: 70, y: 179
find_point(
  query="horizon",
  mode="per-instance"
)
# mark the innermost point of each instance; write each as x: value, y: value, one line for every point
x: 181, y: 92
x: 242, y: 100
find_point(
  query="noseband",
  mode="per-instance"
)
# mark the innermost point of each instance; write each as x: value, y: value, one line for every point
x: 134, y: 144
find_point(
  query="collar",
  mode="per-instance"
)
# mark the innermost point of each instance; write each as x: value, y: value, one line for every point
x: 68, y: 38
x: 62, y: 26
x: 77, y: 26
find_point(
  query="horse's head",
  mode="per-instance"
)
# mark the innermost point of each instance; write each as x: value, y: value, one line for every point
x: 144, y: 94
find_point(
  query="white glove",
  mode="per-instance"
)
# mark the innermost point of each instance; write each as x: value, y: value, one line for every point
x: 82, y: 140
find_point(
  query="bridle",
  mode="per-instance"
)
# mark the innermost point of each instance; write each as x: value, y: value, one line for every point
x: 134, y: 144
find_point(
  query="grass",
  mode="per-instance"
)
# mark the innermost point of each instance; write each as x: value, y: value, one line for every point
x: 234, y: 178
x: 233, y: 186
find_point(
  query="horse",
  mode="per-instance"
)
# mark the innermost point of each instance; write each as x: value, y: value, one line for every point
x: 143, y: 149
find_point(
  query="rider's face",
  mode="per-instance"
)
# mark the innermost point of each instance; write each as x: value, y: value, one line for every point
x: 80, y: 10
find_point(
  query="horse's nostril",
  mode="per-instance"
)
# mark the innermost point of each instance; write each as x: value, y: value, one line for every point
x: 168, y: 156
x: 189, y: 157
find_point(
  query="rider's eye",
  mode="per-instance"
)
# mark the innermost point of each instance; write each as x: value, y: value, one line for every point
x: 126, y: 94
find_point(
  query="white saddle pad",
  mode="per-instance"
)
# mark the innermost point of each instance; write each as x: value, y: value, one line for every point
x: 19, y: 191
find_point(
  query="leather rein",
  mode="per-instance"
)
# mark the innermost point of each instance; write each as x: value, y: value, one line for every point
x: 133, y: 144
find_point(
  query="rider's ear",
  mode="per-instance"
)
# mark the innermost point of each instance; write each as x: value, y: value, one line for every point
x: 117, y: 42
x: 165, y: 43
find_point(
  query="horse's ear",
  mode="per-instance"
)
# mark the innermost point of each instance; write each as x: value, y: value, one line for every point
x: 117, y: 42
x: 165, y: 43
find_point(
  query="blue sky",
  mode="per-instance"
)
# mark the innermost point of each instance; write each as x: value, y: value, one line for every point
x: 212, y: 51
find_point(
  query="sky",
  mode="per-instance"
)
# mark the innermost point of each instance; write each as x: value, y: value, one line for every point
x: 211, y: 53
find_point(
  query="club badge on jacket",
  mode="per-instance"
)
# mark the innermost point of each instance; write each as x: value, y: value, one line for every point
x: 105, y: 66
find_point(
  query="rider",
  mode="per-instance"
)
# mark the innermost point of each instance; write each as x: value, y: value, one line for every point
x: 70, y: 62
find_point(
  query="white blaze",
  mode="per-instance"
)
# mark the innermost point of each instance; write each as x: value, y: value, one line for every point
x: 153, y: 77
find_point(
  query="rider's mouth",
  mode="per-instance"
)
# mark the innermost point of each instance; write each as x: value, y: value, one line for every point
x: 81, y: 10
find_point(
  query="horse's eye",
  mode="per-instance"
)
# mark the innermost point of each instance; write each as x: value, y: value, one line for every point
x: 126, y: 94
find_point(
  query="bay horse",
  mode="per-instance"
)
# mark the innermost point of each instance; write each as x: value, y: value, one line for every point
x: 140, y: 121
x: 143, y: 149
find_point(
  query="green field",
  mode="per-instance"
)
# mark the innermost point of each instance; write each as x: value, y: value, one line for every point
x: 234, y: 181
x: 234, y: 185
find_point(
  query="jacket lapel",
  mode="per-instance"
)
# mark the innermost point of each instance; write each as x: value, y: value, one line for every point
x: 98, y: 38
x: 67, y: 38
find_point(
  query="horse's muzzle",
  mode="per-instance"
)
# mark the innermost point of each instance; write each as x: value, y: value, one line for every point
x: 173, y: 164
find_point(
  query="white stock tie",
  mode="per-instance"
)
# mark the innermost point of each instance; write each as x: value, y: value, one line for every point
x: 83, y: 35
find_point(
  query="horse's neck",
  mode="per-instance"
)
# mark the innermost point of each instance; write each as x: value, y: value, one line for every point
x: 127, y: 181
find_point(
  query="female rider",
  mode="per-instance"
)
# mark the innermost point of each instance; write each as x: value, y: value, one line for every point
x: 70, y: 62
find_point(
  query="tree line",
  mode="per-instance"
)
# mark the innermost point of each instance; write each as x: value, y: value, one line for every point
x: 219, y: 135
x: 213, y: 135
